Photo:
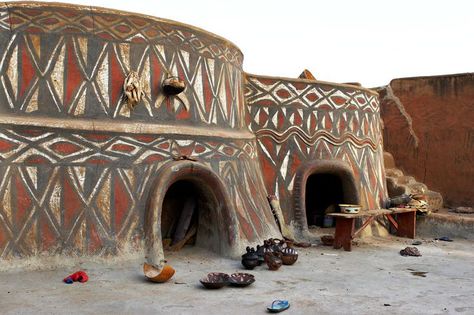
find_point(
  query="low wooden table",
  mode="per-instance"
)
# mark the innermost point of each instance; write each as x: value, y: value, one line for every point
x: 345, y: 224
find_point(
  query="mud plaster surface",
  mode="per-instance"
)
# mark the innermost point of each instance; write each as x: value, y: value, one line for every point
x: 323, y: 281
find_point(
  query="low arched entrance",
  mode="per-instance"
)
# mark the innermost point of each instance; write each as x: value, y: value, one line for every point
x: 188, y: 195
x: 319, y: 187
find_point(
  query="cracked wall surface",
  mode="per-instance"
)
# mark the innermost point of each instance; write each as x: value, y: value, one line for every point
x: 428, y: 127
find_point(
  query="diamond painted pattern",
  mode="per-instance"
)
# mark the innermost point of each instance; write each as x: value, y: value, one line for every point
x: 297, y: 121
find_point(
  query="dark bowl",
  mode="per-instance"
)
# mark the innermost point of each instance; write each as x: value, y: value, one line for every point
x: 327, y: 240
x: 215, y: 280
x: 289, y: 259
x: 241, y: 279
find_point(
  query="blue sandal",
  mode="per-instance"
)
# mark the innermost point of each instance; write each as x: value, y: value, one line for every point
x: 278, y: 306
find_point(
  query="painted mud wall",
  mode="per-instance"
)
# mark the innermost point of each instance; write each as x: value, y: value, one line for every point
x: 430, y: 132
x: 76, y: 164
x: 297, y: 121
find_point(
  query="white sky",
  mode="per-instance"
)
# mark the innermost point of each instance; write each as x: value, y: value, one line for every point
x: 365, y: 41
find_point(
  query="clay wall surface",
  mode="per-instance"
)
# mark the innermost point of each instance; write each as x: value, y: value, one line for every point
x: 77, y: 164
x: 429, y: 130
x: 298, y: 121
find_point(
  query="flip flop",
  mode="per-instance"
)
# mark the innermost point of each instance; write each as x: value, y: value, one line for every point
x: 444, y: 238
x: 278, y: 306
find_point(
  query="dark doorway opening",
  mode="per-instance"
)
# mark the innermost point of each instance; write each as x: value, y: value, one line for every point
x: 324, y: 192
x: 189, y: 216
x: 179, y: 217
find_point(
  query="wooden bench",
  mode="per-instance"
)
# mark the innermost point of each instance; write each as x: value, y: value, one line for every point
x: 345, y: 224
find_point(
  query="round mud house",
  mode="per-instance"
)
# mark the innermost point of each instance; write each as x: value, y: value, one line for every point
x: 319, y: 144
x: 101, y: 153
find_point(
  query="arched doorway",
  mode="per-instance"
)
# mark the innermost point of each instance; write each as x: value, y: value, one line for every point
x: 323, y: 194
x: 319, y: 187
x: 181, y: 207
x: 188, y: 195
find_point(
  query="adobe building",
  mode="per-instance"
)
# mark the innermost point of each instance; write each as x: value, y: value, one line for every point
x: 319, y: 144
x: 429, y: 130
x: 101, y: 156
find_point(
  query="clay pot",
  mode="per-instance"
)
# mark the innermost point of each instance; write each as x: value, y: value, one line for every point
x: 250, y: 259
x: 289, y: 256
x: 173, y: 86
x: 273, y: 260
x: 155, y: 274
x: 271, y: 245
x: 261, y: 254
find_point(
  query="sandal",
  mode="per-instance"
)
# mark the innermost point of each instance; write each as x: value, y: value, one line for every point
x: 278, y: 306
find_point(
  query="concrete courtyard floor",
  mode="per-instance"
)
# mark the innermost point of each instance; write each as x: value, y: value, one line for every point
x: 372, y: 279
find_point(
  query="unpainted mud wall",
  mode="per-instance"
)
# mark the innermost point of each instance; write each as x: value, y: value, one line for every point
x: 429, y: 129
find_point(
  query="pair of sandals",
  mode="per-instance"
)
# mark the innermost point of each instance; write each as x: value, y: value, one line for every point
x: 278, y: 306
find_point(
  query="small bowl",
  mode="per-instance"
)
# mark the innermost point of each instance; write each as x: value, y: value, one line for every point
x: 215, y: 280
x: 351, y: 209
x: 241, y: 279
x: 327, y: 240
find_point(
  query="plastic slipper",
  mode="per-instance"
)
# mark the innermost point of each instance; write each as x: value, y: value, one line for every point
x: 444, y: 238
x: 278, y: 306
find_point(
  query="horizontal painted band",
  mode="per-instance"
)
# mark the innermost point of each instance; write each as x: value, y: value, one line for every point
x: 310, y: 140
x: 124, y: 127
x: 99, y: 10
x: 313, y: 82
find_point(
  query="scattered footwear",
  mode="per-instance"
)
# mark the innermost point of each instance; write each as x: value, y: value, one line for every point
x: 80, y: 276
x: 444, y: 238
x: 278, y: 306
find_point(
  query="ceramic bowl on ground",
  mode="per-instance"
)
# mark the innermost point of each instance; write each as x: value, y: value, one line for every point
x: 156, y: 274
x: 215, y: 280
x: 351, y: 209
x: 327, y: 240
x: 241, y: 279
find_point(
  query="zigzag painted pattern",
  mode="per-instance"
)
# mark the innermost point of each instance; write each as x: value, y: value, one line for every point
x: 82, y: 193
x: 311, y: 139
x: 80, y: 77
x: 55, y: 147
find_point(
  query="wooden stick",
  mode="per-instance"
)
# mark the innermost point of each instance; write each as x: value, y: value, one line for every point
x: 184, y: 220
x: 192, y: 231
